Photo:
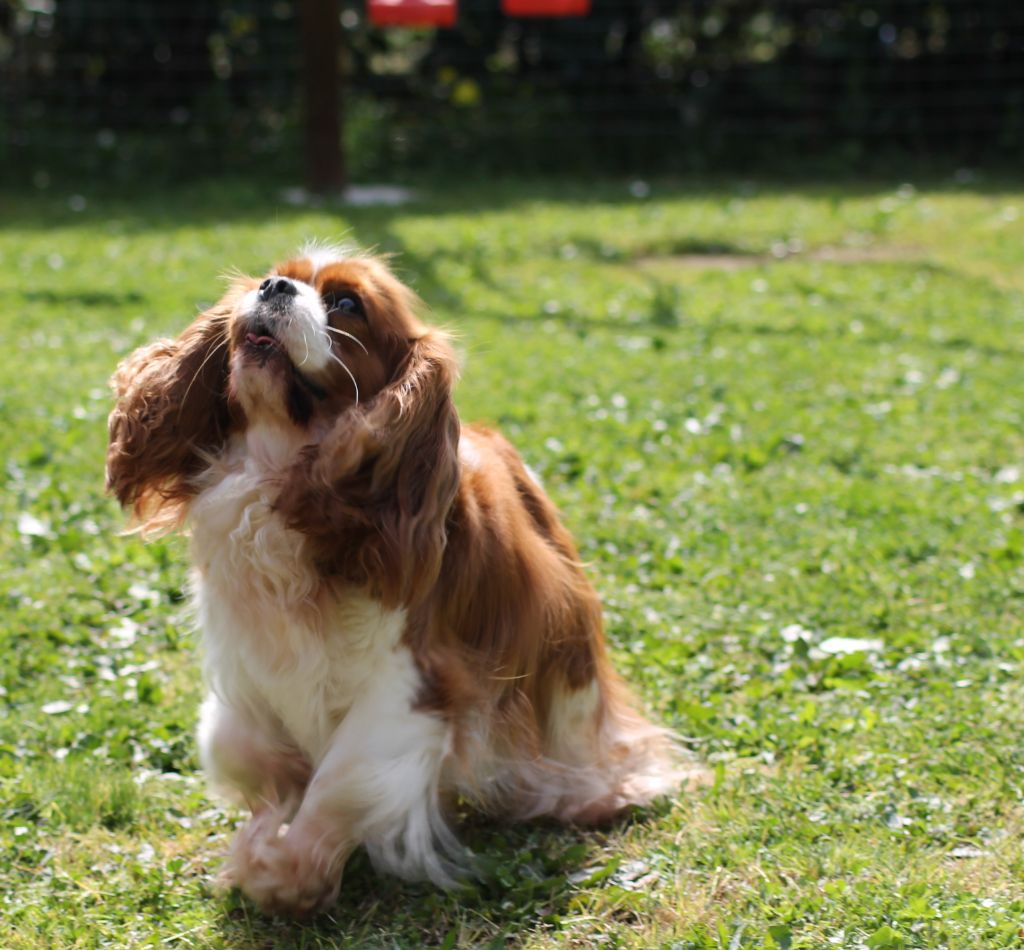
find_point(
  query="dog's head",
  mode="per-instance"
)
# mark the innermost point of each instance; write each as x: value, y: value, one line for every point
x: 317, y: 335
x: 327, y: 354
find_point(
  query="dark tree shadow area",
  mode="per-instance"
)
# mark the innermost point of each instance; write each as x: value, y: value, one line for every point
x: 136, y: 208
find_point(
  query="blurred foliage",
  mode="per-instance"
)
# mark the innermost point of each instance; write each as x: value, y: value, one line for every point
x: 159, y: 86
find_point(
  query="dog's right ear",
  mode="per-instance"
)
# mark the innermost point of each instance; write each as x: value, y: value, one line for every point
x: 172, y: 412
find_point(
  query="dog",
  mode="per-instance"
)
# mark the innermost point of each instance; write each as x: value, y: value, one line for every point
x: 392, y: 614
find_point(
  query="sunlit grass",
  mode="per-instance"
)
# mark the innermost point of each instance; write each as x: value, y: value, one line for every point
x: 774, y: 416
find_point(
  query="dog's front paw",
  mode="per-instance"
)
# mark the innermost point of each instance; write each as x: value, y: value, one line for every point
x: 284, y: 873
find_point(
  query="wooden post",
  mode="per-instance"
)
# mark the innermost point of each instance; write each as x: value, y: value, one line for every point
x: 322, y: 113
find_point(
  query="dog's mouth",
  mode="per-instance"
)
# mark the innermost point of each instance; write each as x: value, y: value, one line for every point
x: 262, y: 343
x: 261, y: 340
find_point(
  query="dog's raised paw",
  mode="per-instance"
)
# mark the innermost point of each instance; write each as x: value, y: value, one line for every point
x: 283, y: 873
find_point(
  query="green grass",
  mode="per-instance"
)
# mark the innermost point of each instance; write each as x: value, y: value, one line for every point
x: 773, y: 415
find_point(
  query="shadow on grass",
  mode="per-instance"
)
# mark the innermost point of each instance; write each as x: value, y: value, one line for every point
x: 129, y: 209
x: 529, y: 877
x: 84, y: 298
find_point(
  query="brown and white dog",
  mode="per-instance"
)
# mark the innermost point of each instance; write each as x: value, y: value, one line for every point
x: 392, y: 614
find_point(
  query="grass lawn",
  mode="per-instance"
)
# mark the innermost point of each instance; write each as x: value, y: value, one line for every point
x: 786, y: 424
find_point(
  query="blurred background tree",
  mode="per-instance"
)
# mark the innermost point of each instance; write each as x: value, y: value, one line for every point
x: 161, y: 88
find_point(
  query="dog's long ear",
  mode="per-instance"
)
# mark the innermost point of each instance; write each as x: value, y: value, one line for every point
x: 373, y: 497
x: 171, y: 411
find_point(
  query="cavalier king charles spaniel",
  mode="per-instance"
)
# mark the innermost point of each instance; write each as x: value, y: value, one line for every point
x: 392, y: 614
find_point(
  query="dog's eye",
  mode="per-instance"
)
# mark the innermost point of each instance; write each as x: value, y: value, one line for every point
x: 343, y: 302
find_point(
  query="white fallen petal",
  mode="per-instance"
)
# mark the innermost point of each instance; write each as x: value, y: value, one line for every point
x: 56, y: 707
x: 126, y: 631
x: 141, y: 591
x: 850, y: 645
x: 30, y: 526
x: 795, y: 631
x: 967, y: 851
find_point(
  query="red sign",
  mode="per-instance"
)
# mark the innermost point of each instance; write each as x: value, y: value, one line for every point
x: 411, y: 12
x: 545, y: 7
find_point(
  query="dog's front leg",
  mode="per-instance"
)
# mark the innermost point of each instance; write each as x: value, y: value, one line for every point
x: 376, y: 785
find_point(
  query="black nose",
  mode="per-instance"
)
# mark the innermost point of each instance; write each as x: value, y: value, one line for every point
x: 273, y: 286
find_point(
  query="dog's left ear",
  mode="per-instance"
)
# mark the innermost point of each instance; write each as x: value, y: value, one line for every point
x: 375, y: 494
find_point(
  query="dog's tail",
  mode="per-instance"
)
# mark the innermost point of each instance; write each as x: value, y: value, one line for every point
x: 601, y: 757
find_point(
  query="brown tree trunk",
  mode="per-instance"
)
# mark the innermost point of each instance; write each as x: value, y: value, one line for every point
x: 322, y: 115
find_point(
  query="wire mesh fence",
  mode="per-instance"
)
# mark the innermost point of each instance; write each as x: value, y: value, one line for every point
x: 164, y: 88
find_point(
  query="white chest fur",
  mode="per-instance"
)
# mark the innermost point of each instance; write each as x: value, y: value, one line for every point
x: 280, y: 646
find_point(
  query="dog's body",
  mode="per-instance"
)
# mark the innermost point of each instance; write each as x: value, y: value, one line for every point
x: 392, y: 613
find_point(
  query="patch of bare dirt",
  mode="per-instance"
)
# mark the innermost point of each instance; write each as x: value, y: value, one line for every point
x: 840, y: 254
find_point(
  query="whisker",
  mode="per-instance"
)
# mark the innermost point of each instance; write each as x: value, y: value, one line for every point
x: 232, y: 274
x: 350, y: 336
x: 347, y: 370
x: 305, y: 342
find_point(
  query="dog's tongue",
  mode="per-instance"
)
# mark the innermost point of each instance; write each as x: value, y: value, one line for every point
x: 257, y: 340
